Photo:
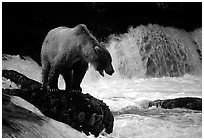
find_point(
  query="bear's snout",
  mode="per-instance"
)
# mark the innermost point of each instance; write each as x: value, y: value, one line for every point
x: 109, y: 71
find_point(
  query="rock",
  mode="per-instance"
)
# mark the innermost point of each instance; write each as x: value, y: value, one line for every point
x: 81, y: 111
x: 20, y: 80
x: 185, y: 102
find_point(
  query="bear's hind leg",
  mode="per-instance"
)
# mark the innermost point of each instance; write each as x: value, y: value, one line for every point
x: 45, y: 72
x: 53, y: 78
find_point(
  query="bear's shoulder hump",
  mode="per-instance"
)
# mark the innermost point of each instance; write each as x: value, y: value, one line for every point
x: 81, y: 29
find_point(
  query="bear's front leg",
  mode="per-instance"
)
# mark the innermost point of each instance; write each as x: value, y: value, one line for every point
x: 78, y: 75
x: 67, y: 76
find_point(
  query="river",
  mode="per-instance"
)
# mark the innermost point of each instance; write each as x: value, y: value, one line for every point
x: 127, y: 100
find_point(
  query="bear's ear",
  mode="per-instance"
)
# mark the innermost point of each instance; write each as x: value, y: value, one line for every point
x: 97, y: 49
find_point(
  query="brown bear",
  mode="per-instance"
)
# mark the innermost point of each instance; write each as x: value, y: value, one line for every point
x: 67, y: 51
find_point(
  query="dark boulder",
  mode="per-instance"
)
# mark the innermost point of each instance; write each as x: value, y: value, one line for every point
x: 184, y: 102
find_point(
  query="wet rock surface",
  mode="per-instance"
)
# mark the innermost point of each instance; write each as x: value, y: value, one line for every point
x: 184, y: 102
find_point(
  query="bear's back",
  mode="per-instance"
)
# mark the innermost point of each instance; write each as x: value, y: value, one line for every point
x: 63, y: 33
x: 63, y: 38
x: 77, y: 30
x: 59, y: 32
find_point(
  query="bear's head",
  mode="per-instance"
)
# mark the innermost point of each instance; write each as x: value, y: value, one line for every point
x: 94, y: 52
x: 103, y: 61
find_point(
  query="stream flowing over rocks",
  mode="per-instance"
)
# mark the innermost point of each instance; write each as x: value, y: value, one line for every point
x: 156, y: 90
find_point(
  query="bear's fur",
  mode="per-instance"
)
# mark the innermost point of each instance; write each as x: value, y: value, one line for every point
x: 67, y: 51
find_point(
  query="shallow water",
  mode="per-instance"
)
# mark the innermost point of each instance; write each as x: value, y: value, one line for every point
x: 120, y: 93
x: 130, y: 96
